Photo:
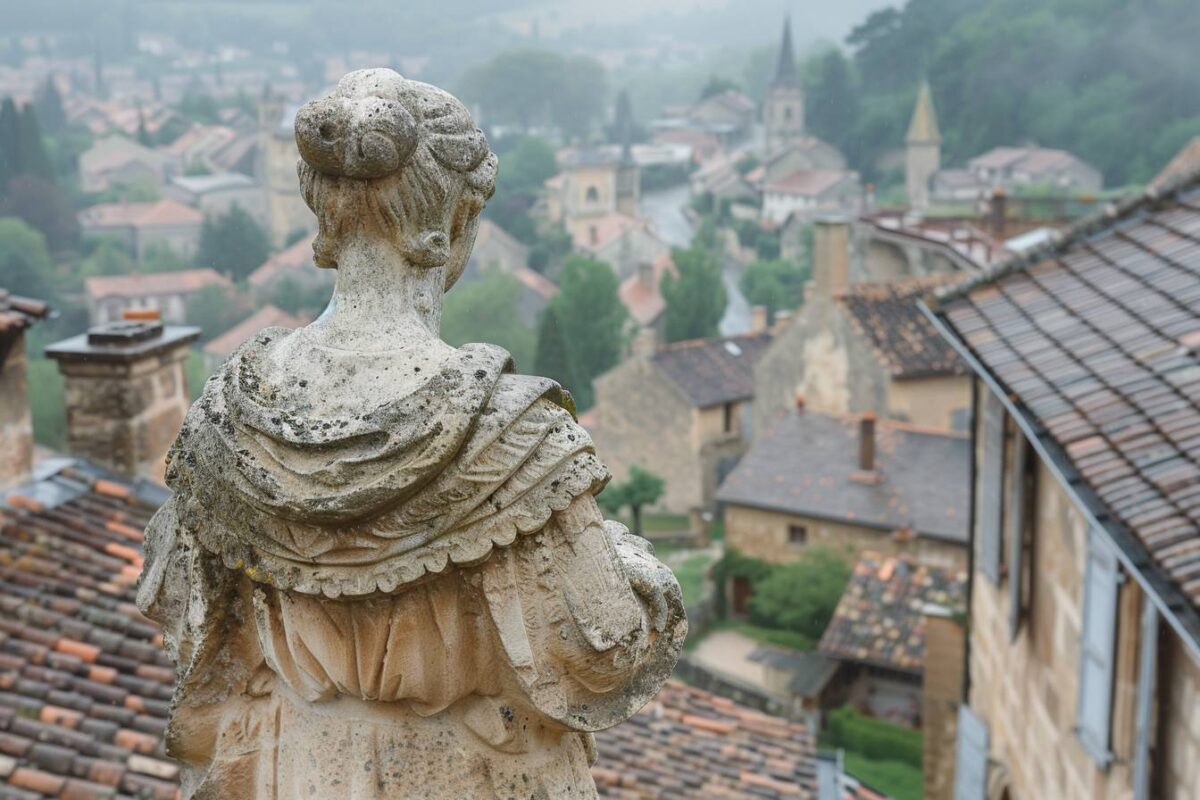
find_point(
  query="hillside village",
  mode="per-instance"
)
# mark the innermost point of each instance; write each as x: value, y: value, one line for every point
x: 918, y: 434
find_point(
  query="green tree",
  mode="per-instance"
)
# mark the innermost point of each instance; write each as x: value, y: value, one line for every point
x: 25, y: 265
x: 528, y: 87
x: 232, y: 243
x: 215, y: 309
x: 50, y: 107
x: 46, y: 207
x: 10, y: 142
x: 486, y: 310
x: 553, y: 358
x: 832, y: 104
x: 696, y: 298
x: 291, y: 296
x: 801, y: 596
x: 109, y: 257
x: 32, y: 158
x: 524, y: 169
x: 778, y: 285
x: 593, y: 321
x: 160, y: 257
x: 717, y: 85
x: 642, y: 488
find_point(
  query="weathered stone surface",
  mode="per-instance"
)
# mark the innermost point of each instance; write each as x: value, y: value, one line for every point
x: 383, y: 572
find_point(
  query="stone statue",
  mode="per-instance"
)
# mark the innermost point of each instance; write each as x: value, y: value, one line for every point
x: 383, y: 572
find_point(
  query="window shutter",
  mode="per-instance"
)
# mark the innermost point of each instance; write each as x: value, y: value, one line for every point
x: 991, y: 486
x: 1147, y: 668
x: 1094, y: 713
x: 970, y: 756
x: 1016, y: 533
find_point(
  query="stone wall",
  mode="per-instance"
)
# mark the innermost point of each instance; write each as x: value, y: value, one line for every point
x: 16, y: 423
x: 945, y: 644
x: 763, y: 534
x: 933, y: 402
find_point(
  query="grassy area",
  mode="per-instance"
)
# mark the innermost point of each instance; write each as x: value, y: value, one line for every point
x: 691, y: 577
x: 790, y: 639
x: 895, y: 778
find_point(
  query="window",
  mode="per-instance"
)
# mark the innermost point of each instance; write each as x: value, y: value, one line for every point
x: 1096, y: 650
x: 970, y: 757
x: 990, y: 486
x: 727, y: 418
x: 797, y: 534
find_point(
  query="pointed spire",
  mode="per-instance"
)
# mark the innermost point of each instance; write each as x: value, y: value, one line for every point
x: 786, y: 74
x: 924, y: 126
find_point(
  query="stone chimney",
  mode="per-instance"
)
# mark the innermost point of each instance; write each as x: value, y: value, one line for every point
x: 758, y: 319
x: 126, y: 391
x: 16, y: 421
x: 783, y: 318
x: 831, y: 257
x: 645, y: 343
x: 866, y: 442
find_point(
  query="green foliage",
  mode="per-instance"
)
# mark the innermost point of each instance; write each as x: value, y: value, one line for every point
x: 832, y: 103
x: 32, y: 158
x: 696, y: 298
x: 485, y: 310
x: 553, y: 359
x: 50, y: 107
x: 232, y: 243
x: 778, y: 285
x: 873, y: 738
x: 196, y: 371
x: 801, y: 596
x: 49, y: 410
x: 215, y: 310
x: 159, y: 257
x: 895, y: 778
x: 717, y: 85
x: 529, y: 87
x: 642, y: 488
x: 25, y: 265
x: 593, y: 321
x: 198, y: 106
x: 735, y: 564
x: 291, y: 296
x: 45, y: 207
x: 525, y: 167
x: 109, y: 257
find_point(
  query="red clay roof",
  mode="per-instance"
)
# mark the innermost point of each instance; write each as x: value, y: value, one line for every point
x: 644, y: 300
x: 807, y: 182
x: 266, y: 317
x: 1183, y: 163
x: 139, y: 215
x: 297, y: 256
x: 142, y: 284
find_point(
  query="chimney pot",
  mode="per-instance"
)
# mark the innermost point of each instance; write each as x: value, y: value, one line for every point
x: 141, y: 315
x: 866, y: 442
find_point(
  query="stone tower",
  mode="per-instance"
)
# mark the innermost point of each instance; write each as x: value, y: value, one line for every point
x: 783, y: 113
x: 923, y: 149
x: 628, y: 179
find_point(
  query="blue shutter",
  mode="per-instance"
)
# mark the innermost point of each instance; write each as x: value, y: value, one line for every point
x: 1147, y: 667
x: 1016, y: 532
x: 991, y: 487
x: 1096, y: 649
x: 970, y: 756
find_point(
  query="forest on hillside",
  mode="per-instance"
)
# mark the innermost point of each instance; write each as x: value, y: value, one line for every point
x: 1113, y: 81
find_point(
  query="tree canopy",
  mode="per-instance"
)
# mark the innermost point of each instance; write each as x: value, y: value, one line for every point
x: 25, y: 264
x: 485, y: 310
x: 801, y: 596
x: 778, y: 285
x: 642, y: 488
x: 232, y: 243
x: 593, y: 322
x: 696, y: 298
x: 553, y: 359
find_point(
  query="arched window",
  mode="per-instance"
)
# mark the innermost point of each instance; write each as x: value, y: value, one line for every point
x: 592, y: 196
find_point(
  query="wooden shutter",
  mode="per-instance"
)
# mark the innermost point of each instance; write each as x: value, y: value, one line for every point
x: 1096, y: 651
x: 970, y: 756
x: 1016, y: 532
x: 991, y: 487
x: 1147, y: 668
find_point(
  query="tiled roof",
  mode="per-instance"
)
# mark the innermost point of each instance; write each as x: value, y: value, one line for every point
x: 1096, y: 341
x: 267, y: 316
x: 880, y: 619
x: 1033, y: 160
x: 811, y: 671
x: 688, y: 744
x: 808, y: 182
x: 710, y: 372
x: 644, y: 300
x: 139, y: 215
x: 84, y: 684
x: 298, y: 256
x: 1183, y: 163
x: 17, y: 314
x: 144, y: 284
x: 807, y: 464
x: 886, y: 315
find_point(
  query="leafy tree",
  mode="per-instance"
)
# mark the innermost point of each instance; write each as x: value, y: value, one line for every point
x: 215, y: 309
x: 524, y: 169
x: 778, y: 285
x: 291, y: 296
x: 159, y: 257
x: 832, y: 106
x: 46, y: 207
x: 10, y: 142
x: 108, y: 258
x: 801, y: 596
x: 551, y: 246
x: 717, y: 85
x: 642, y: 488
x: 32, y: 158
x: 528, y: 87
x: 486, y: 310
x: 553, y: 358
x: 593, y: 321
x: 232, y: 243
x: 696, y: 298
x: 50, y: 107
x: 25, y: 265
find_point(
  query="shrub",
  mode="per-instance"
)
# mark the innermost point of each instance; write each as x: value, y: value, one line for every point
x: 801, y: 597
x: 873, y: 738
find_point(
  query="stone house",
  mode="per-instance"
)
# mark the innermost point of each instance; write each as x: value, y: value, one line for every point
x: 275, y: 168
x: 806, y: 153
x: 595, y: 182
x: 858, y: 344
x: 728, y: 115
x: 641, y: 294
x: 849, y: 485
x: 1013, y: 169
x: 622, y: 241
x: 117, y: 160
x: 682, y: 412
x: 1083, y: 666
x: 215, y: 194
x: 140, y: 226
x: 167, y: 293
x: 807, y: 193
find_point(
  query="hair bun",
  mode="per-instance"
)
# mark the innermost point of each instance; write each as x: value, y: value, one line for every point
x: 367, y: 137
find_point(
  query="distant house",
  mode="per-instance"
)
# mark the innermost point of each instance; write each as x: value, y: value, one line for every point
x: 198, y: 145
x: 805, y: 153
x: 293, y: 264
x: 110, y: 296
x: 809, y: 193
x: 852, y: 485
x: 1016, y: 168
x: 117, y: 160
x: 595, y: 183
x: 704, y: 146
x: 727, y: 115
x: 682, y: 412
x: 221, y: 347
x: 623, y: 241
x: 877, y: 632
x: 496, y: 248
x: 139, y: 226
x: 1084, y: 625
x: 216, y: 194
x: 641, y: 294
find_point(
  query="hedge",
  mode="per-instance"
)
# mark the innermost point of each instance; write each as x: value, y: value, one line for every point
x: 873, y: 738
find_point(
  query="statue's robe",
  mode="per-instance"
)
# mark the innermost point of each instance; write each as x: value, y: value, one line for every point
x: 423, y: 585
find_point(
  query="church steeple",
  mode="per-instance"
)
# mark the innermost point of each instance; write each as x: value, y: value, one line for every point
x: 786, y: 74
x: 923, y: 149
x: 924, y: 126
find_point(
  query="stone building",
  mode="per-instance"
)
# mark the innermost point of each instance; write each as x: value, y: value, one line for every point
x: 806, y: 194
x: 641, y: 294
x: 626, y: 243
x: 216, y: 194
x: 1084, y: 608
x: 783, y: 110
x: 922, y: 149
x: 276, y: 171
x: 116, y: 161
x: 1013, y: 169
x: 595, y: 182
x: 109, y: 297
x: 17, y: 314
x: 850, y: 485
x: 140, y: 226
x: 682, y: 412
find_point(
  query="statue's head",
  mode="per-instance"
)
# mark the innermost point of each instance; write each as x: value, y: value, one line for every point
x: 396, y: 158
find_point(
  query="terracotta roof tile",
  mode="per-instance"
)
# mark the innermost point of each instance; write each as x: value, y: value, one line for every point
x: 140, y: 284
